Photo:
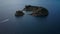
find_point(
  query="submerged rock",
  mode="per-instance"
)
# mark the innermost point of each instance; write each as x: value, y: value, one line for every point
x: 19, y: 13
x: 37, y: 11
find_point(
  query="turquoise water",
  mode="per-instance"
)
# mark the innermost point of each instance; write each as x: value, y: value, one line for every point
x: 28, y: 24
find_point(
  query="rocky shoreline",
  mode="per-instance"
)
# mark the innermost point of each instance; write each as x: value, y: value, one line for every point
x: 36, y: 11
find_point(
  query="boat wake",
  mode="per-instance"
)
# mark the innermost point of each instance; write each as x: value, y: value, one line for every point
x: 6, y: 20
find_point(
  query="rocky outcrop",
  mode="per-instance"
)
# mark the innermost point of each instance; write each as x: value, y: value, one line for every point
x: 19, y: 13
x: 30, y: 8
x: 37, y: 11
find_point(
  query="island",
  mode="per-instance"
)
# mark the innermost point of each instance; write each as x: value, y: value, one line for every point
x: 36, y: 10
x: 19, y: 13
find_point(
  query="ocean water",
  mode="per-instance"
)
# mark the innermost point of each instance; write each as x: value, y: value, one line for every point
x: 27, y: 24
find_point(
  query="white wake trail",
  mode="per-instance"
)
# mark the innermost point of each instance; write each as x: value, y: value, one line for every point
x: 5, y: 20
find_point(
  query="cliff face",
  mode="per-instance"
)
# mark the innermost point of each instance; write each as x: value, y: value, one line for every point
x: 37, y: 11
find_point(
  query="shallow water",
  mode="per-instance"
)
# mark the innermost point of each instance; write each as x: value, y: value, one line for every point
x: 27, y: 23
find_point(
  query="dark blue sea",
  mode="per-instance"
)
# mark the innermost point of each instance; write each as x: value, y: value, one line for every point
x: 27, y: 24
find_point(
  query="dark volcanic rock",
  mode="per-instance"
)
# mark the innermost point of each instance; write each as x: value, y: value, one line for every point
x: 19, y: 13
x: 37, y: 11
